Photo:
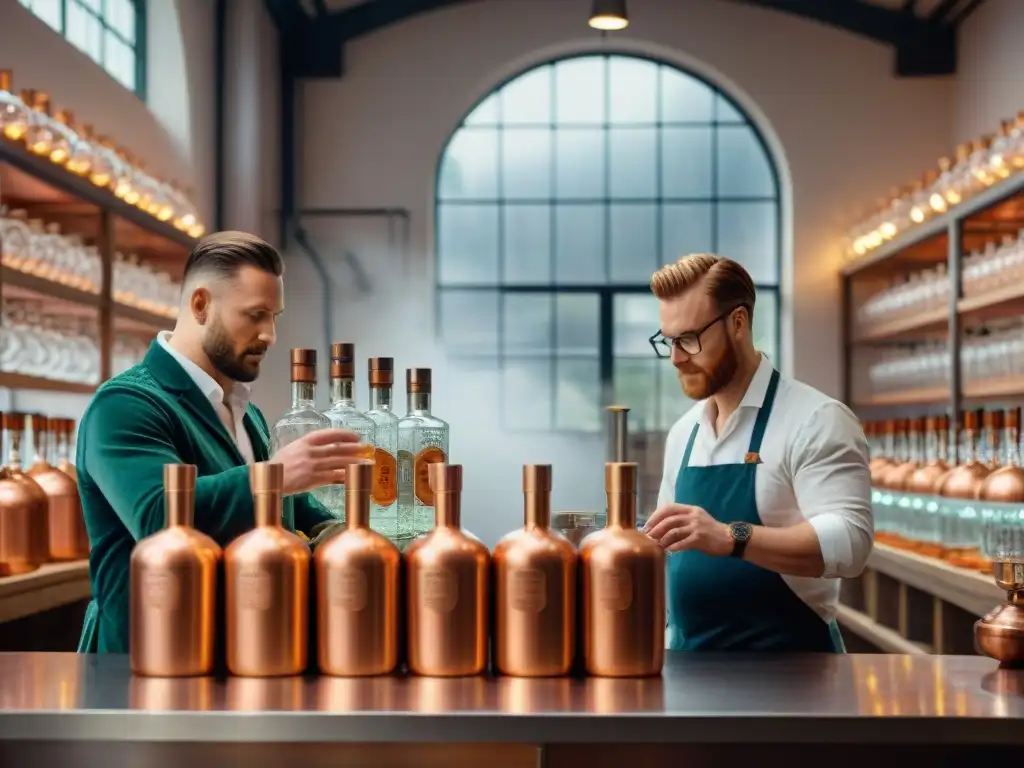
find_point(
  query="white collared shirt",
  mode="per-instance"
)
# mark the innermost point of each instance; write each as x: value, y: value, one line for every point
x: 230, y: 409
x: 815, y: 468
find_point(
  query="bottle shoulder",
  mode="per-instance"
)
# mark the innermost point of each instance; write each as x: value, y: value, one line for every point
x: 267, y: 542
x: 525, y: 544
x: 302, y: 415
x: 175, y: 545
x: 619, y: 542
x: 446, y: 543
x: 422, y: 420
x: 357, y: 545
x: 383, y: 418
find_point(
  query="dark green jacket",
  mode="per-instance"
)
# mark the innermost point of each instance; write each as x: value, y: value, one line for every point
x: 150, y: 415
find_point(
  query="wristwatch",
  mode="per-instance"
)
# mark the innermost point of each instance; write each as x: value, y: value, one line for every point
x: 740, y: 533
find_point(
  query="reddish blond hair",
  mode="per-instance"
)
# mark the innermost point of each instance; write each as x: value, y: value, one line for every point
x: 724, y: 280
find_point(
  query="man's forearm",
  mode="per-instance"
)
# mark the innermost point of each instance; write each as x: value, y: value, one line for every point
x: 791, y: 551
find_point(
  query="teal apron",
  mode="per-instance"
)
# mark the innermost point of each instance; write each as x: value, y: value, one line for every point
x: 727, y: 603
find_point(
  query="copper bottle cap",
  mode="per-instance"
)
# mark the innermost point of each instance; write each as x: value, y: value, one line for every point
x: 1013, y: 418
x: 382, y: 371
x: 917, y: 425
x: 417, y: 380
x: 993, y: 419
x: 359, y: 477
x: 6, y: 77
x: 445, y: 478
x: 931, y: 423
x: 536, y: 478
x: 304, y: 366
x: 39, y: 423
x: 971, y: 420
x: 179, y: 477
x: 13, y: 422
x: 267, y: 477
x: 621, y: 476
x: 343, y: 360
x: 890, y: 426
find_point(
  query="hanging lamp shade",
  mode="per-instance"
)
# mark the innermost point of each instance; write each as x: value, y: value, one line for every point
x: 609, y: 15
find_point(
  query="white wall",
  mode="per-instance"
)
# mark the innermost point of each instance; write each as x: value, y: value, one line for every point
x: 842, y: 128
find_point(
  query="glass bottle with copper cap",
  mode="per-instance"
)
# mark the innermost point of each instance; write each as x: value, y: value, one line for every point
x: 357, y: 575
x: 961, y: 520
x: 302, y: 417
x: 63, y: 434
x: 24, y: 507
x: 267, y: 578
x: 422, y: 441
x: 343, y: 413
x: 14, y: 113
x: 173, y: 589
x: 384, y: 494
x: 68, y: 537
x: 447, y: 589
x: 535, y: 589
x: 623, y: 576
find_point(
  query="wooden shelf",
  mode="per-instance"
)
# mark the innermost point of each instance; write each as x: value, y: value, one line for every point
x: 1008, y: 301
x: 1011, y: 387
x: 920, y: 396
x: 51, y: 586
x: 926, y: 323
x: 25, y: 285
x: 142, y: 320
x: 888, y: 640
x: 20, y: 381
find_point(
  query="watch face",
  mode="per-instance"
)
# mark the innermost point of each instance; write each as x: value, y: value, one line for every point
x: 741, y: 531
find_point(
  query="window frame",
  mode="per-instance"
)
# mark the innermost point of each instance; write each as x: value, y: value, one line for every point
x: 606, y: 291
x: 138, y: 47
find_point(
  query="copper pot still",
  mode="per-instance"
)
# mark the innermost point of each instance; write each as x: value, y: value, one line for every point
x: 172, y: 605
x: 24, y: 508
x: 535, y: 589
x: 266, y: 575
x: 1000, y: 635
x: 357, y: 574
x: 68, y: 539
x: 448, y: 574
x: 623, y: 588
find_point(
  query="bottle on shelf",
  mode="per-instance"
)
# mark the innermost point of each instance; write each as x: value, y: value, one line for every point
x: 173, y: 589
x: 961, y: 523
x: 302, y: 417
x: 343, y: 413
x: 422, y: 442
x: 14, y: 113
x: 921, y: 487
x: 67, y: 535
x: 357, y: 590
x: 1002, y: 495
x: 384, y: 494
x: 891, y: 477
x: 448, y: 575
x: 24, y: 506
x: 623, y: 595
x: 267, y: 577
x: 535, y: 589
x: 64, y: 434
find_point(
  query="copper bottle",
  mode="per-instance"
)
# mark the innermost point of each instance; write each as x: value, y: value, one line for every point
x: 267, y: 579
x: 963, y: 483
x: 623, y: 588
x: 173, y: 589
x: 24, y: 508
x: 357, y: 575
x: 1006, y: 484
x: 535, y: 589
x: 68, y: 538
x: 447, y: 574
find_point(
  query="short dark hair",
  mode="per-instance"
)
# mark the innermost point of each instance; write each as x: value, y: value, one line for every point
x: 224, y: 253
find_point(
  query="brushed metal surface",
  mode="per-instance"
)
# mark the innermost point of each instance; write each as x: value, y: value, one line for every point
x: 701, y: 698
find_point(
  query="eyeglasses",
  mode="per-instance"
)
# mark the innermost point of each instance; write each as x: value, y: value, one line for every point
x: 688, y: 343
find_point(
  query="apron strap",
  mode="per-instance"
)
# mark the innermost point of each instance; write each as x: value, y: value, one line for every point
x: 763, y: 413
x: 689, y: 446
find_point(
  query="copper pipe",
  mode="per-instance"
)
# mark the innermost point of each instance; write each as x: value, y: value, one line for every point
x: 173, y: 589
x: 267, y: 573
x: 357, y: 575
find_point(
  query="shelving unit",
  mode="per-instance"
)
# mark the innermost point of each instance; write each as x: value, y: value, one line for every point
x: 51, y: 193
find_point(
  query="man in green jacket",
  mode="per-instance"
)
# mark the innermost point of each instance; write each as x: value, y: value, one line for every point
x: 188, y: 402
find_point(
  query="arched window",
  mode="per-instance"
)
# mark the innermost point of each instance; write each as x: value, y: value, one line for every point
x: 558, y: 196
x: 110, y: 32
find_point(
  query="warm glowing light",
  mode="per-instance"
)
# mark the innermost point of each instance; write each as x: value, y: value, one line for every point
x: 937, y: 202
x: 608, y: 23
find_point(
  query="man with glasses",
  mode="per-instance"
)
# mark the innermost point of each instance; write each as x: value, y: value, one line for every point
x: 765, y: 499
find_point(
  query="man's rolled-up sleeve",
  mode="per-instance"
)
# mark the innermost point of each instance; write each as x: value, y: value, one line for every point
x: 832, y: 485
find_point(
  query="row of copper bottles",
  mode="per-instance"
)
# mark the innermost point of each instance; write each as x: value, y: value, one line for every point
x: 445, y: 607
x: 40, y: 512
x: 954, y: 492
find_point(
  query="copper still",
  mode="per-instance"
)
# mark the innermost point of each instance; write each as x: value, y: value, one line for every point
x: 266, y: 573
x: 357, y: 575
x: 67, y: 535
x: 448, y: 573
x: 960, y: 536
x: 623, y: 587
x: 173, y: 589
x: 535, y: 589
x: 24, y: 508
x: 1000, y: 634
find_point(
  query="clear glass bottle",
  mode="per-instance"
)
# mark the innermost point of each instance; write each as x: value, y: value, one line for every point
x: 303, y: 417
x: 384, y: 493
x: 422, y: 441
x: 343, y: 413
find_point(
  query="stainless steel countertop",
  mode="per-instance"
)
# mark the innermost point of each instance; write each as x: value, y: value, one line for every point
x: 700, y: 698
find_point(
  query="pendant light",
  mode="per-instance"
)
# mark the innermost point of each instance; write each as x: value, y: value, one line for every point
x: 609, y: 15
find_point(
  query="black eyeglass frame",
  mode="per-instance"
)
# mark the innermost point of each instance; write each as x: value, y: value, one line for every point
x: 659, y: 340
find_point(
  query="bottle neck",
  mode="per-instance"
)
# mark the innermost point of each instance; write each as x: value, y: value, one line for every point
x: 303, y: 394
x: 622, y: 509
x: 267, y: 508
x: 418, y: 402
x: 13, y: 439
x: 357, y: 508
x: 1011, y: 439
x: 447, y: 509
x: 902, y: 446
x: 380, y: 398
x: 537, y: 509
x: 62, y: 450
x: 343, y: 392
x: 40, y: 446
x: 931, y: 445
x: 970, y: 446
x: 180, y: 508
x: 993, y: 448
x: 914, y: 446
